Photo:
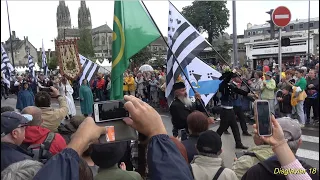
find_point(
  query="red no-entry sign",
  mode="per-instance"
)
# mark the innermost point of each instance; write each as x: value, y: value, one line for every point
x: 281, y: 16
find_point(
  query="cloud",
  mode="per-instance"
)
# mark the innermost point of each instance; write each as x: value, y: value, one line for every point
x: 37, y: 19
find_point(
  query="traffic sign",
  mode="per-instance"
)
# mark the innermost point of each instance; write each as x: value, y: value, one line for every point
x: 281, y: 16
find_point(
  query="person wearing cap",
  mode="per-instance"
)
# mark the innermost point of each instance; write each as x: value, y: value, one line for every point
x: 208, y: 165
x: 107, y: 157
x: 12, y: 135
x: 25, y: 97
x: 285, y: 141
x: 181, y: 107
x: 229, y: 92
x: 267, y: 92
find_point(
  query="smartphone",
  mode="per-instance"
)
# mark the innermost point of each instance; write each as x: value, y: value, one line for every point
x: 109, y: 110
x: 263, y: 117
x: 110, y: 114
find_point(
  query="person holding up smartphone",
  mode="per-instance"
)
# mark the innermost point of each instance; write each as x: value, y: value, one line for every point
x: 285, y: 141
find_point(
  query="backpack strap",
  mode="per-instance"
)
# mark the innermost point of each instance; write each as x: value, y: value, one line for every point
x: 48, y: 141
x: 218, y: 173
x: 190, y: 167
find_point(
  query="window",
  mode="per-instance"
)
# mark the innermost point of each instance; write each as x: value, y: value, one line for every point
x: 311, y: 24
x: 103, y: 40
x: 301, y: 26
x: 291, y: 27
x: 249, y: 33
x: 253, y: 33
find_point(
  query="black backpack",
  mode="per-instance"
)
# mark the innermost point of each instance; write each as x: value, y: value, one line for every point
x: 41, y: 152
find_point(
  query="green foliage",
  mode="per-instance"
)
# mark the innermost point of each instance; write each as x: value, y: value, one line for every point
x: 209, y: 16
x: 53, y: 63
x: 85, y: 46
x: 141, y: 57
x: 224, y: 49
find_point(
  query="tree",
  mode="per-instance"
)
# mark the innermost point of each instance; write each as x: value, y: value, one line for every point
x: 224, y: 50
x: 209, y: 16
x: 141, y: 57
x: 53, y: 63
x: 159, y: 61
x: 85, y: 46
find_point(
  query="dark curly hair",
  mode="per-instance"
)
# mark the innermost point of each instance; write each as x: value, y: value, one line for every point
x: 42, y: 99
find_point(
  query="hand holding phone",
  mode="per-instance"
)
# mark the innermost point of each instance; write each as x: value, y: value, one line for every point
x: 262, y: 117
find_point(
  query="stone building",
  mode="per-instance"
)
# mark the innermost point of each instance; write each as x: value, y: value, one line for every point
x: 20, y: 49
x: 101, y: 35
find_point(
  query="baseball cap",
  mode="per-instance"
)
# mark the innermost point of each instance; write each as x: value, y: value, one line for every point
x: 269, y: 73
x: 291, y: 128
x: 12, y: 120
x: 209, y: 142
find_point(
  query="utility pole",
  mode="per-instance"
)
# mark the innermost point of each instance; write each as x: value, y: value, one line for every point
x: 235, y: 39
x: 308, y: 55
x: 64, y: 34
x: 12, y: 56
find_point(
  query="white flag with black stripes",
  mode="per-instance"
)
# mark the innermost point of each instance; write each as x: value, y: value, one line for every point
x: 186, y: 43
x: 31, y: 65
x: 89, y: 68
x: 6, y: 66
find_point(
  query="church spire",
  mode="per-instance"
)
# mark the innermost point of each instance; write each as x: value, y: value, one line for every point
x: 84, y: 16
x: 63, y: 18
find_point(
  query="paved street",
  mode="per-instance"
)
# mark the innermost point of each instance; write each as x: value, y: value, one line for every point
x: 309, y: 150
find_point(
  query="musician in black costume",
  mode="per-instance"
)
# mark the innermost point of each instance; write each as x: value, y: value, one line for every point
x: 181, y: 107
x: 229, y: 92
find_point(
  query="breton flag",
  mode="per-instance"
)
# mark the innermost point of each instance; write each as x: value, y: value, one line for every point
x: 44, y: 60
x: 186, y: 43
x: 31, y: 65
x: 6, y: 66
x: 204, y: 79
x: 89, y: 68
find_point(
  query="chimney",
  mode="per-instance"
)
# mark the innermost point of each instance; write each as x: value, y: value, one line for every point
x: 13, y: 34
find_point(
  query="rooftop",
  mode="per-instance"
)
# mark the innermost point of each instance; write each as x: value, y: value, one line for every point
x: 297, y: 21
x: 102, y: 29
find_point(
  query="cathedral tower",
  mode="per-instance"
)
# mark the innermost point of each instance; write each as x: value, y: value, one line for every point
x: 84, y: 17
x: 63, y: 19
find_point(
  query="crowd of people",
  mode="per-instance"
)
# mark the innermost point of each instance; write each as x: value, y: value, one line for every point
x: 42, y: 142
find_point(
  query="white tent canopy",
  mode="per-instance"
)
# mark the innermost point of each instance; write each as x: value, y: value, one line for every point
x: 106, y: 66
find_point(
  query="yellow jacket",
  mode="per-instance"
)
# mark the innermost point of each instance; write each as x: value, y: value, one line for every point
x: 130, y: 82
x: 296, y: 99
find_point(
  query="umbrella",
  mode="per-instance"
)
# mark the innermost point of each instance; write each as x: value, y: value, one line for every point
x: 145, y: 67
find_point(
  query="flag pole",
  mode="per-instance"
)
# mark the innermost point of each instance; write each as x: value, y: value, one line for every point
x: 12, y: 57
x: 224, y: 61
x: 175, y: 58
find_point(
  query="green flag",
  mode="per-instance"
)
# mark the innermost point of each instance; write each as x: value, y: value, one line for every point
x: 133, y: 30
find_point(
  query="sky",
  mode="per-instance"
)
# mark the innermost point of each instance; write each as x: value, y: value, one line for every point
x: 37, y: 19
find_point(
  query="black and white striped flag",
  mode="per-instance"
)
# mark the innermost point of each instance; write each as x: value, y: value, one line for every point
x: 6, y: 66
x: 44, y: 60
x: 31, y: 65
x: 186, y: 43
x: 89, y: 68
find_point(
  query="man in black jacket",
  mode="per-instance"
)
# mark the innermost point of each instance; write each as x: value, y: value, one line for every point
x: 12, y: 136
x: 229, y: 93
x: 181, y: 107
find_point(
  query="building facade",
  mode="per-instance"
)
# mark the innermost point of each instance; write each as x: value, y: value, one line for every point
x: 20, y: 49
x: 261, y: 49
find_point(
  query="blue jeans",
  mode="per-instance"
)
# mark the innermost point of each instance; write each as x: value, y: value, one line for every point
x: 299, y: 109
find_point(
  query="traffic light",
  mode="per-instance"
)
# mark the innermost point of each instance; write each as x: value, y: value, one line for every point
x: 271, y: 24
x: 285, y: 41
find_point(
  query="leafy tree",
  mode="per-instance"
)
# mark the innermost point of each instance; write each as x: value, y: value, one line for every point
x: 224, y: 50
x: 53, y: 63
x: 208, y: 16
x: 85, y: 46
x: 141, y: 57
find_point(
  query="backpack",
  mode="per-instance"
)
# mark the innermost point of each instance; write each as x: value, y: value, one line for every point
x: 216, y: 176
x: 41, y: 152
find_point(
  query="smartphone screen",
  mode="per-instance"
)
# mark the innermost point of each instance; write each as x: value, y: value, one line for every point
x: 112, y: 110
x: 263, y: 118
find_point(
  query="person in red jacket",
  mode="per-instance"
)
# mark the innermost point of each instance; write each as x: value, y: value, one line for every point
x: 100, y: 87
x: 36, y: 134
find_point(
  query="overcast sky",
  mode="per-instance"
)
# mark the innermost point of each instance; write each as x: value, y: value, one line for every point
x: 37, y: 19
